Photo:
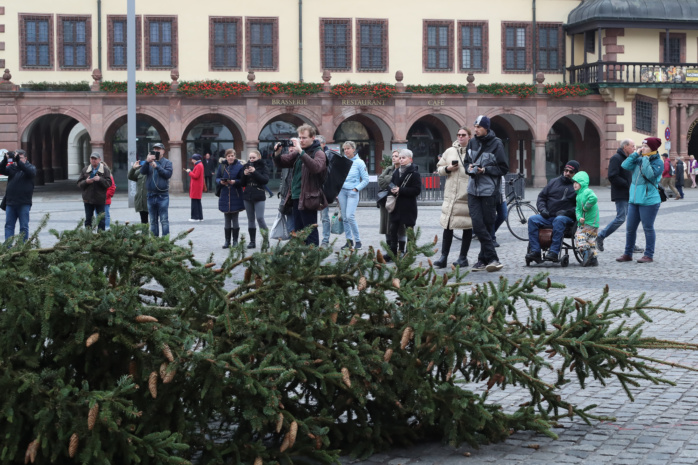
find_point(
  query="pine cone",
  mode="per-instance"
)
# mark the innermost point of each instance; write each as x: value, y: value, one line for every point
x: 94, y: 337
x: 379, y: 257
x: 436, y: 239
x: 146, y: 319
x: 345, y: 376
x: 73, y: 446
x: 209, y: 265
x: 430, y: 366
x: 292, y: 434
x: 169, y: 376
x: 388, y: 354
x: 163, y: 370
x: 407, y: 334
x: 257, y: 281
x: 362, y: 283
x: 333, y: 317
x: 279, y: 422
x: 30, y: 454
x: 284, y: 444
x: 92, y: 416
x: 396, y: 283
x: 354, y: 320
x: 153, y: 384
x: 491, y: 310
x: 448, y: 375
x: 431, y: 265
x: 258, y: 461
x: 168, y: 353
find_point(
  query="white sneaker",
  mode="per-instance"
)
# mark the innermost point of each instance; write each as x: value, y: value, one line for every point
x: 192, y: 220
x: 494, y: 266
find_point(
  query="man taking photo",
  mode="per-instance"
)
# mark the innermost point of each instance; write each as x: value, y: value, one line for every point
x: 94, y: 181
x: 158, y: 170
x: 20, y: 188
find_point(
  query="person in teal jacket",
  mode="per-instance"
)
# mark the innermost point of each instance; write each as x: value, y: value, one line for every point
x: 646, y: 166
x: 587, y: 212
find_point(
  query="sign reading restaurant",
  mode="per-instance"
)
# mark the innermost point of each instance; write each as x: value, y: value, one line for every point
x: 363, y: 102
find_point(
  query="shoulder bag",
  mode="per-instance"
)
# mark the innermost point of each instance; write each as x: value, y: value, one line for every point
x: 662, y: 194
x: 391, y: 200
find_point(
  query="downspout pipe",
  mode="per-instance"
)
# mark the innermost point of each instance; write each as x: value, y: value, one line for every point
x: 534, y: 63
x: 99, y: 34
x: 300, y: 40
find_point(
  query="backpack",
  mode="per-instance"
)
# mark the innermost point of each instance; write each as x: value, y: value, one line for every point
x: 338, y: 167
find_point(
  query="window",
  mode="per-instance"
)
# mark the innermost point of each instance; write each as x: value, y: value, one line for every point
x: 645, y: 115
x: 36, y: 41
x: 590, y: 42
x: 473, y: 46
x: 335, y: 44
x: 262, y: 44
x: 673, y: 51
x: 225, y: 43
x: 549, y: 49
x: 439, y: 45
x: 516, y: 39
x: 117, y: 38
x: 372, y: 45
x: 160, y: 42
x: 74, y: 42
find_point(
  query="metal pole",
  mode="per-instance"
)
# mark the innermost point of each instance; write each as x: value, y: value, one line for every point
x: 300, y: 40
x: 99, y: 34
x: 131, y: 92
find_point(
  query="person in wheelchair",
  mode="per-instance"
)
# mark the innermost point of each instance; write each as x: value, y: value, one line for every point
x: 556, y: 203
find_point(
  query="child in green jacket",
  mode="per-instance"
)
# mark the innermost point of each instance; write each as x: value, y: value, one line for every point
x: 587, y: 219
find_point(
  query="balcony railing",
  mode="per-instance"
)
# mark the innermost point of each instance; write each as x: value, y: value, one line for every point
x: 634, y: 73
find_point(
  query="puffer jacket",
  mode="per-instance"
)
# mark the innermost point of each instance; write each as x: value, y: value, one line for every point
x: 454, y: 210
x: 254, y: 183
x: 357, y: 178
x: 230, y: 200
x: 313, y: 173
x: 141, y: 200
x: 587, y: 202
x: 488, y: 153
x: 646, y: 171
x: 558, y: 198
x: 95, y: 193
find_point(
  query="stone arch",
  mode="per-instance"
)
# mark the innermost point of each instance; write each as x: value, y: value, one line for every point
x: 579, y: 139
x: 692, y: 135
x: 232, y: 125
x: 450, y: 118
x: 383, y: 119
x: 380, y: 133
x: 518, y: 135
x: 32, y: 116
x: 45, y: 139
x: 303, y: 114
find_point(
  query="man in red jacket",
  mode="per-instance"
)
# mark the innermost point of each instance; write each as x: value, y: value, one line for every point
x: 668, y: 181
x: 196, y: 188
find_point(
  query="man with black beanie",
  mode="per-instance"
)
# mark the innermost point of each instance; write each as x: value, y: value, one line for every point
x: 486, y: 164
x: 556, y: 205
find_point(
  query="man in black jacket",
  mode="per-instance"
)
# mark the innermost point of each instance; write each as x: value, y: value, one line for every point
x: 620, y: 179
x: 20, y: 189
x: 209, y: 170
x: 486, y: 163
x: 556, y: 204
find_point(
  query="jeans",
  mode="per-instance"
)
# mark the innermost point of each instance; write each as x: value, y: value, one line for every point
x: 621, y: 213
x: 483, y: 213
x: 348, y: 201
x: 325, y: 216
x: 14, y: 213
x: 304, y: 218
x: 107, y: 218
x: 90, y: 211
x: 501, y: 216
x: 558, y: 224
x: 646, y: 214
x: 158, y: 205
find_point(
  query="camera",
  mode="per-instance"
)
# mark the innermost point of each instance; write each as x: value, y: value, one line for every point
x: 474, y: 169
x: 156, y: 153
x: 285, y: 143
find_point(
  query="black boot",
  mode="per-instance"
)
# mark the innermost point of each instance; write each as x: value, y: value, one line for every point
x: 393, y: 248
x: 227, y: 238
x: 401, y: 246
x: 446, y: 240
x: 236, y: 234
x: 441, y: 262
x: 253, y: 236
x: 464, y: 248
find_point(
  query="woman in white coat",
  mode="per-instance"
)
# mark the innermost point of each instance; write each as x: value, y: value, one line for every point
x: 454, y: 211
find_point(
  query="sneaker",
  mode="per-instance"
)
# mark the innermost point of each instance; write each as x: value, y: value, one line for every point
x: 599, y: 243
x: 534, y: 257
x: 348, y: 246
x: 645, y: 259
x: 637, y: 249
x: 357, y: 246
x: 624, y: 258
x: 192, y: 220
x: 494, y: 265
x: 479, y: 266
x: 552, y: 256
x: 325, y: 244
x: 495, y: 243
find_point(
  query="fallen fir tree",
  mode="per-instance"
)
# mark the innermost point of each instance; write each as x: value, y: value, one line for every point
x: 119, y: 347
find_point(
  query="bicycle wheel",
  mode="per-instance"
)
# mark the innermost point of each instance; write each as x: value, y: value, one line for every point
x: 517, y: 219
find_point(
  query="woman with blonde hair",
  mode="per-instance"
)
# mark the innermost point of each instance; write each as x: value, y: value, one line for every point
x: 254, y: 180
x: 348, y: 198
x: 384, y: 180
x: 406, y: 185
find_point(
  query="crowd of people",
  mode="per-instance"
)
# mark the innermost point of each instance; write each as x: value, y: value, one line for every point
x: 474, y: 203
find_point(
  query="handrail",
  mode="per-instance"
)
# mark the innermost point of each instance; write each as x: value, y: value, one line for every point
x: 634, y: 73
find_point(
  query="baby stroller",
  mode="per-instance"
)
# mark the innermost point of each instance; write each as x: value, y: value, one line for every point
x: 545, y: 236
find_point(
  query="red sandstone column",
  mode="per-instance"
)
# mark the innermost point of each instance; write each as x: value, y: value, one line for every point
x: 175, y: 156
x: 539, y: 178
x: 682, y: 133
x: 674, y: 129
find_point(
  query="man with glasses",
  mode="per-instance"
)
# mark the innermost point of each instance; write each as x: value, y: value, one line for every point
x: 556, y: 204
x: 620, y: 191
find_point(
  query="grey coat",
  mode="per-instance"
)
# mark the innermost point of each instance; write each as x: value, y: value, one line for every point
x: 141, y: 201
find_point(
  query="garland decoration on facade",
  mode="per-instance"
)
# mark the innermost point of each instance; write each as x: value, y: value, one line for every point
x: 375, y: 90
x: 212, y: 88
x: 522, y: 90
x: 82, y: 86
x: 437, y: 89
x: 289, y: 88
x: 142, y: 88
x: 560, y: 90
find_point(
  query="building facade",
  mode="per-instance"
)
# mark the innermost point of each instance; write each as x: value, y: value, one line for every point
x: 638, y: 63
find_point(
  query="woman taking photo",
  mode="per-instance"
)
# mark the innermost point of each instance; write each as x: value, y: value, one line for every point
x: 406, y: 185
x: 254, y: 180
x: 644, y: 202
x: 229, y: 183
x: 384, y: 180
x: 348, y: 197
x: 454, y: 210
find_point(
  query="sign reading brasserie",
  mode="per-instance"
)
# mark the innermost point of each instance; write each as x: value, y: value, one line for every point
x: 289, y: 101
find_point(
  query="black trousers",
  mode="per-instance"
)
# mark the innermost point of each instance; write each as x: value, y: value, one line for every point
x: 197, y: 211
x: 209, y: 182
x: 92, y: 210
x: 483, y: 213
x: 304, y: 218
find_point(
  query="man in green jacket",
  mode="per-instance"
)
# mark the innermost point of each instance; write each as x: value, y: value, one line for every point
x: 587, y: 212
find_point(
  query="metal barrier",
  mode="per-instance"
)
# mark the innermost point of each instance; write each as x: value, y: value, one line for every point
x: 432, y: 191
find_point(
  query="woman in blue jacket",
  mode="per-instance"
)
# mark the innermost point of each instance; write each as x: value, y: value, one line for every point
x: 643, y: 205
x: 229, y: 185
x: 348, y: 197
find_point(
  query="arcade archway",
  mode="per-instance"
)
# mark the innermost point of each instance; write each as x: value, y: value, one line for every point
x: 46, y: 143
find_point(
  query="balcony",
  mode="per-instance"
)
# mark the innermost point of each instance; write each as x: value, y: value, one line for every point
x: 636, y: 74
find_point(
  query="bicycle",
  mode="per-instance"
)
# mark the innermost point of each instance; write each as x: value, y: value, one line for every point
x: 518, y: 212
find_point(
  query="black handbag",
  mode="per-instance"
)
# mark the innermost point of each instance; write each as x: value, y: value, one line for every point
x: 660, y: 189
x: 337, y: 170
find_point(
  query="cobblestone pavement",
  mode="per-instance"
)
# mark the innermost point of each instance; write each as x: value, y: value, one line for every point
x: 659, y: 427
